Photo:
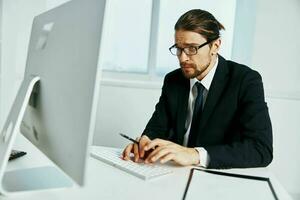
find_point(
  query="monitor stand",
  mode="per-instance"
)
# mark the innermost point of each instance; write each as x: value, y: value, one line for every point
x: 38, y: 178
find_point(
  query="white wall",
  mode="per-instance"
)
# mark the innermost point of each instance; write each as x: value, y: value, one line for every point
x: 286, y: 164
x: 275, y: 54
x: 16, y: 19
x: 266, y: 39
x: 276, y: 46
x: 123, y: 110
x: 16, y: 28
x: 0, y: 55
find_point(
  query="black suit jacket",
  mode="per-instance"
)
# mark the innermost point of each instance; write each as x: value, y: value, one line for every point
x: 234, y: 127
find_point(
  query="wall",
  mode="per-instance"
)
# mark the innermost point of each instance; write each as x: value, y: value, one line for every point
x: 16, y: 16
x: 123, y: 110
x: 1, y: 13
x: 286, y: 140
x: 276, y: 47
x: 15, y: 39
x: 266, y: 38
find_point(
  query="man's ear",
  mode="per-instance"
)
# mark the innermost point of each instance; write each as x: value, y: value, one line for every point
x: 216, y: 46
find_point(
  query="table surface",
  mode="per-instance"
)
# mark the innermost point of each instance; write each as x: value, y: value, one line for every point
x: 106, y: 182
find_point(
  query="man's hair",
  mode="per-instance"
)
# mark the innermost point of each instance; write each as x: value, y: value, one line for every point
x: 200, y: 21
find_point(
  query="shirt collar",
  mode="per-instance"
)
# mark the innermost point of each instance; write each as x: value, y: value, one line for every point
x: 206, y: 81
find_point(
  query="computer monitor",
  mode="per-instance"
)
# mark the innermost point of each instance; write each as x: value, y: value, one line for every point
x: 58, y: 96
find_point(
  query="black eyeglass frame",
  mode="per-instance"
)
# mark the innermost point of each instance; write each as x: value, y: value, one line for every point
x: 196, y: 47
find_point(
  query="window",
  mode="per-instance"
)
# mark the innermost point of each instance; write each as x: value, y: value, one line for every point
x: 126, y: 36
x: 138, y: 33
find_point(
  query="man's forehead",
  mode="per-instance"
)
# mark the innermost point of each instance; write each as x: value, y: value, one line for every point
x: 186, y: 44
x: 188, y: 37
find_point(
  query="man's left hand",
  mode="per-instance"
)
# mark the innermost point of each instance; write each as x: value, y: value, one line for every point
x: 165, y: 151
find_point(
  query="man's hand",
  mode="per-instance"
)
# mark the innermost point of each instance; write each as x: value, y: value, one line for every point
x: 162, y: 150
x: 165, y: 151
x: 137, y: 150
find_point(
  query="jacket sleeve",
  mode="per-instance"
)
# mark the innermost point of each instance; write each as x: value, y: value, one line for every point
x: 254, y: 146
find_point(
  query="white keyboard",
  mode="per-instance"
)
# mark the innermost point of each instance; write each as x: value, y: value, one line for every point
x: 112, y: 157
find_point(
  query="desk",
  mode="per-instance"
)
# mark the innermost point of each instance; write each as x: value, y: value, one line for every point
x: 106, y: 182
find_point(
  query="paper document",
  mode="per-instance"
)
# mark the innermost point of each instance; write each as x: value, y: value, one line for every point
x: 226, y: 186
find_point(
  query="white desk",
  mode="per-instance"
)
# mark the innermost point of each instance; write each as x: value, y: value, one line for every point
x: 106, y: 182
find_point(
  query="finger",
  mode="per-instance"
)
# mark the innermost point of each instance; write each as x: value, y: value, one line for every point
x: 155, y: 154
x: 136, y: 152
x: 142, y: 143
x: 167, y: 158
x: 138, y: 139
x: 147, y: 153
x: 163, y: 152
x: 150, y: 155
x: 127, y: 151
x: 154, y: 143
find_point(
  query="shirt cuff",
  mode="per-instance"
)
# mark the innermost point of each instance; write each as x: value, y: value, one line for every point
x: 203, y: 157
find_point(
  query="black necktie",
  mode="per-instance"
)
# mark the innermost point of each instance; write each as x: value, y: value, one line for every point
x: 196, y: 115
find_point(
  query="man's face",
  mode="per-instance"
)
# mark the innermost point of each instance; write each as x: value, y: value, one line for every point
x: 194, y: 65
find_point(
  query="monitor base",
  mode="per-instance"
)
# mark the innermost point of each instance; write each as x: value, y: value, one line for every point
x: 41, y: 178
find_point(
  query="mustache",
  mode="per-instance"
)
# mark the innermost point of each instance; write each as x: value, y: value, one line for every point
x: 184, y: 64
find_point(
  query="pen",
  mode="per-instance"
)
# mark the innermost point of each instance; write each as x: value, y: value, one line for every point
x: 129, y: 138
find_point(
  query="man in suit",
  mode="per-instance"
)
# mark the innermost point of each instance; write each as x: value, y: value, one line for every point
x: 211, y: 111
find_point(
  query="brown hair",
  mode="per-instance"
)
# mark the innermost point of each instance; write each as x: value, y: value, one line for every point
x: 200, y: 21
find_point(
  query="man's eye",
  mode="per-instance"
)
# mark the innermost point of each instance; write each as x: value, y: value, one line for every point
x: 191, y: 49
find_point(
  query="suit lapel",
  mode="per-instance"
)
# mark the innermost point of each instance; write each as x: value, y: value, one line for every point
x: 217, y: 86
x: 183, y: 98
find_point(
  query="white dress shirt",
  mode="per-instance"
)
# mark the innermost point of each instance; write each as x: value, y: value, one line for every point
x: 206, y: 82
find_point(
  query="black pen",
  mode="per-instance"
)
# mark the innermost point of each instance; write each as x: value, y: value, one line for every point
x: 129, y: 138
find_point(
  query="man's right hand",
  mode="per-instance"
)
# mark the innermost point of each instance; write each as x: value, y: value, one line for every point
x: 136, y: 149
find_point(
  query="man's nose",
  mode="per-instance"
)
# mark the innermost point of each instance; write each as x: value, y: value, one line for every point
x: 183, y: 57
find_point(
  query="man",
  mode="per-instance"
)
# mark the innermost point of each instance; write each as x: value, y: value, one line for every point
x: 212, y: 111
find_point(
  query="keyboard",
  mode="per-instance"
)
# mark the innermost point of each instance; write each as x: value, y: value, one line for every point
x: 112, y: 157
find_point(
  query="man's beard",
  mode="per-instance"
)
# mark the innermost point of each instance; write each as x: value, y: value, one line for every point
x: 196, y: 73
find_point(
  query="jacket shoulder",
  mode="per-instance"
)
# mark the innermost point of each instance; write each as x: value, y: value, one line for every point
x: 241, y: 70
x: 175, y: 76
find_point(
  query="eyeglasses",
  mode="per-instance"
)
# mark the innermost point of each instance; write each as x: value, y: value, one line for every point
x: 189, y: 51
